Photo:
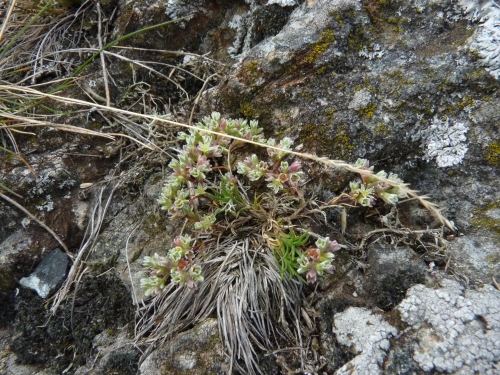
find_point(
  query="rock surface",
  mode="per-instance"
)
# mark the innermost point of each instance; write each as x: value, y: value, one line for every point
x: 458, y: 330
x: 197, y: 351
x: 412, y: 86
x: 49, y: 275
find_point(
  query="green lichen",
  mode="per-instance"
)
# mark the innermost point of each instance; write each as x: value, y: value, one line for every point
x: 381, y: 129
x: 482, y: 219
x: 318, y: 137
x: 367, y: 111
x: 326, y: 39
x: 248, y: 111
x: 492, y: 153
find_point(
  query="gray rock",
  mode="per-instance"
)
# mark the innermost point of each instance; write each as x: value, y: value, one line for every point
x: 458, y: 330
x: 198, y: 351
x: 450, y: 330
x: 367, y: 335
x: 49, y: 275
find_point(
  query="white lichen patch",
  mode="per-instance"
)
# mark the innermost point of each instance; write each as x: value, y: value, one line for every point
x: 367, y: 335
x: 282, y: 3
x: 458, y: 331
x: 48, y: 205
x: 182, y: 8
x: 445, y: 141
x: 360, y: 100
x: 374, y: 52
x: 486, y: 39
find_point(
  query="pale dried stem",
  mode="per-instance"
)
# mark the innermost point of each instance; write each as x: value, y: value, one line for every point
x: 423, y: 200
x: 90, y: 237
x: 7, y: 18
x: 103, y: 61
x: 38, y: 221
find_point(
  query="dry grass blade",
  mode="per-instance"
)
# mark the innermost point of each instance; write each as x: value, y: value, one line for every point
x: 332, y: 163
x: 93, y: 228
x: 23, y: 122
x: 31, y: 37
x: 7, y: 18
x: 38, y: 221
x: 244, y: 286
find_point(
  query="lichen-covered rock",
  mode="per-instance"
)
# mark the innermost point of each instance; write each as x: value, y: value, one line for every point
x: 49, y: 275
x: 197, y: 351
x: 448, y: 329
x: 368, y: 335
x: 458, y: 330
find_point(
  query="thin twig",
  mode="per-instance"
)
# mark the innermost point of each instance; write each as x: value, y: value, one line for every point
x: 175, y: 53
x: 7, y: 17
x: 103, y: 61
x: 197, y: 99
x: 41, y: 223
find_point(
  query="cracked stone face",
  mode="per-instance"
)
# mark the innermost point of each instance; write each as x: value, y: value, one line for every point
x: 458, y: 329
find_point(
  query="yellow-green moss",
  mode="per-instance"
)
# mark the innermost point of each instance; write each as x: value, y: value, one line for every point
x: 481, y: 218
x: 330, y: 114
x: 467, y: 101
x: 342, y: 142
x: 248, y: 111
x: 336, y: 15
x: 340, y: 85
x: 251, y: 72
x: 484, y: 221
x: 368, y: 111
x: 327, y: 37
x: 493, y: 259
x: 317, y: 136
x: 321, y: 70
x: 381, y: 129
x: 492, y: 153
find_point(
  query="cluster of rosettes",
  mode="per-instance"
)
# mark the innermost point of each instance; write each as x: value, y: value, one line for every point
x: 371, y: 187
x: 279, y: 174
x: 318, y: 260
x: 190, y: 181
x: 177, y: 265
x: 202, y: 185
x: 197, y: 159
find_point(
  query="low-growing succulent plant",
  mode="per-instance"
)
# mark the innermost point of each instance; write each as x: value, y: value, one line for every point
x: 210, y: 183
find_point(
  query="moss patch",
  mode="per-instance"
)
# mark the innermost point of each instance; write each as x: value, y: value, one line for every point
x: 318, y: 137
x: 368, y: 111
x: 492, y: 153
x: 327, y: 37
x: 482, y: 219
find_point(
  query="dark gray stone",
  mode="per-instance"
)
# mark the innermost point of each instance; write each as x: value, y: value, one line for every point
x: 49, y: 275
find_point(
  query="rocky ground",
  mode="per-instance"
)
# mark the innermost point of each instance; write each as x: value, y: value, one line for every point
x: 411, y: 86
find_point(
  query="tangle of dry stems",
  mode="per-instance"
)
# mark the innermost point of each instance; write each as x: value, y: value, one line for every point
x: 244, y: 286
x: 422, y: 199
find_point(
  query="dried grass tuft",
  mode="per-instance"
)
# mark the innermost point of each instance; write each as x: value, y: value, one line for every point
x: 244, y: 287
